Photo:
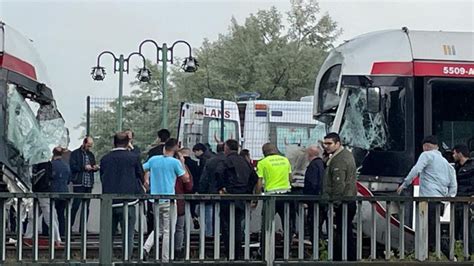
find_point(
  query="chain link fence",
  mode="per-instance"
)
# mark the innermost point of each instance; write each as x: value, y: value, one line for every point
x: 142, y: 116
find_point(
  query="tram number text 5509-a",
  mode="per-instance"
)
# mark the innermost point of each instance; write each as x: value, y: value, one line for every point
x: 458, y: 70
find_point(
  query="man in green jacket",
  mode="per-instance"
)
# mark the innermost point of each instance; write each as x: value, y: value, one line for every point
x: 340, y: 181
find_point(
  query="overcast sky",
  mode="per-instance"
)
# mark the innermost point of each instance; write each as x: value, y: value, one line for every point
x: 70, y: 34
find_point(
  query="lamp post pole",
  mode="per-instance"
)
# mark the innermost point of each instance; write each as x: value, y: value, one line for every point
x: 119, y: 107
x: 190, y: 64
x: 164, y: 84
x: 98, y: 74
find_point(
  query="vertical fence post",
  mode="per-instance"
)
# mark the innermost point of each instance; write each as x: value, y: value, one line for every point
x: 359, y: 231
x: 465, y: 215
x: 373, y: 233
x: 88, y: 116
x: 330, y: 231
x: 452, y: 239
x: 51, y: 229
x: 269, y: 226
x: 19, y: 230
x: 217, y: 232
x: 286, y: 230
x: 388, y: 240
x: 141, y: 211
x: 35, y: 229
x: 438, y: 231
x: 401, y: 237
x: 105, y: 238
x: 421, y: 235
x: 67, y: 229
x: 2, y: 230
x: 202, y: 231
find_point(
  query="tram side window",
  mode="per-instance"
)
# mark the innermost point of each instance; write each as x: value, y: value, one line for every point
x: 453, y: 113
x: 328, y: 97
x: 384, y: 130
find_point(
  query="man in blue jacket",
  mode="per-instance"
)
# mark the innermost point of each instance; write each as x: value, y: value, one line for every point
x: 121, y: 172
x: 437, y: 179
x: 60, y: 179
x: 312, y: 184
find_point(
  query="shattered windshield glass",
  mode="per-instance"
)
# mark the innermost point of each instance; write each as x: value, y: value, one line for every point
x: 384, y: 130
x: 52, y: 126
x: 33, y: 136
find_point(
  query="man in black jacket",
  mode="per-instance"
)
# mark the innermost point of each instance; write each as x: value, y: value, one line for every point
x: 234, y: 176
x: 465, y: 178
x: 121, y: 172
x: 203, y: 154
x: 207, y: 185
x: 83, y: 166
x: 312, y: 184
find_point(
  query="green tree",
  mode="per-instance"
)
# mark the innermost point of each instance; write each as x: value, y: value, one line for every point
x: 263, y: 55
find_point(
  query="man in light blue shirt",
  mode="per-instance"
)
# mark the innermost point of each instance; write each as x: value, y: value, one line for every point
x: 161, y: 174
x: 437, y: 176
x: 437, y: 179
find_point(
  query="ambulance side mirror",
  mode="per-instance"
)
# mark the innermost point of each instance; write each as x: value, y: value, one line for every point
x: 373, y: 99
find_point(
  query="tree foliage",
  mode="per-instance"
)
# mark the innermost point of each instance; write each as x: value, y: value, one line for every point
x: 277, y: 59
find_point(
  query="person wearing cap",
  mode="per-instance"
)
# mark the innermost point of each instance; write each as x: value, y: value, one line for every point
x: 437, y: 179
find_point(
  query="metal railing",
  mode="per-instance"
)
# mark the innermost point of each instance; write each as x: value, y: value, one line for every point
x: 371, y: 222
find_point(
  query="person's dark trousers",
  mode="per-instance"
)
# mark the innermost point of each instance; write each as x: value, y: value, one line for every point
x: 225, y: 225
x: 117, y: 218
x: 310, y: 224
x: 432, y: 228
x: 294, y: 210
x: 150, y: 217
x: 351, y: 242
x: 60, y: 207
x: 77, y: 202
x: 194, y: 203
x: 459, y: 226
x: 12, y: 219
x: 280, y: 210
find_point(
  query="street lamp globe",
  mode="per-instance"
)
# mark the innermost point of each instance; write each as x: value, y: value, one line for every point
x: 190, y: 64
x: 144, y: 75
x: 98, y: 73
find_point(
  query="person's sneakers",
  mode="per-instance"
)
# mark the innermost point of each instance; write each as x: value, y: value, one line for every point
x: 58, y: 244
x: 28, y: 242
x: 196, y: 223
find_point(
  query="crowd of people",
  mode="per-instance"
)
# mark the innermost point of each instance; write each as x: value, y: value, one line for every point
x: 167, y: 169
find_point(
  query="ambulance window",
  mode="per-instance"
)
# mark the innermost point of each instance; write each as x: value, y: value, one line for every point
x: 213, y: 134
x: 296, y: 135
x: 328, y: 97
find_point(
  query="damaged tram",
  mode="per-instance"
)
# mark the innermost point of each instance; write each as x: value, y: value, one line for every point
x: 30, y: 123
x: 384, y: 91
